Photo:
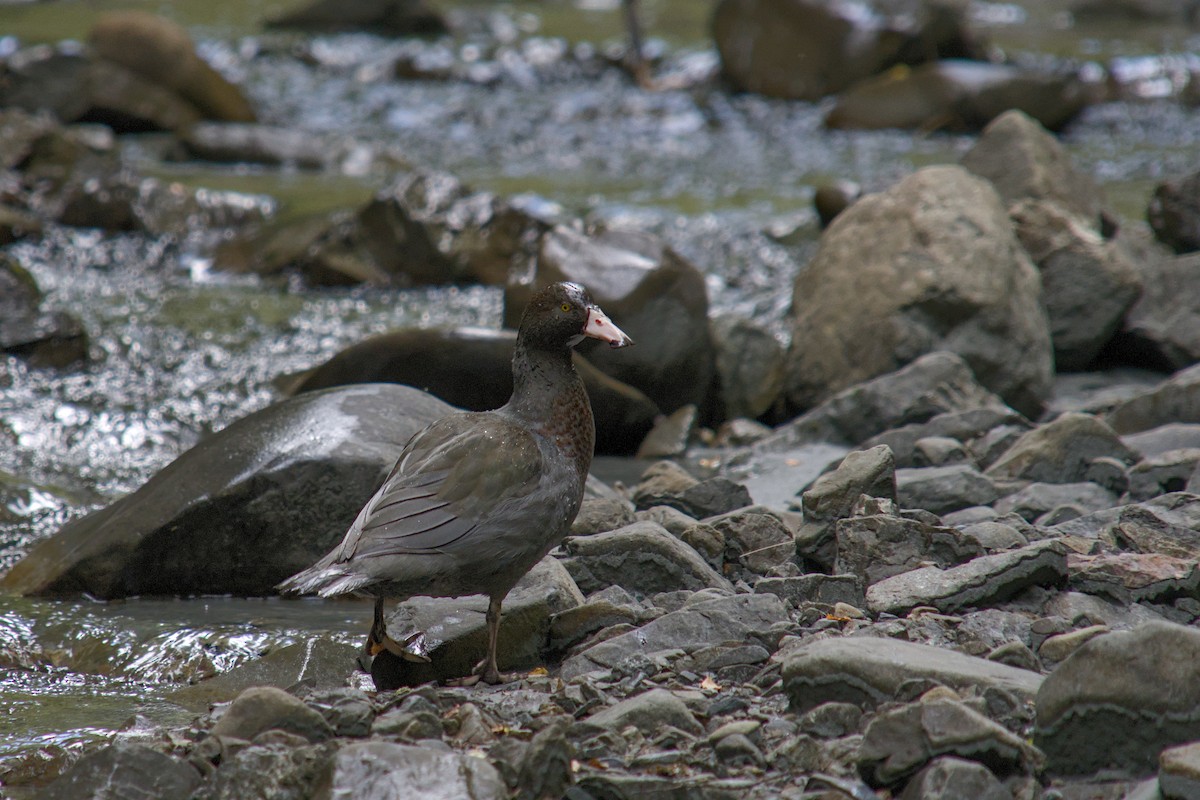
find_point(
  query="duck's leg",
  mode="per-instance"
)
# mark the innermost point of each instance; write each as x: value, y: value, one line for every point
x: 378, y: 639
x: 491, y: 673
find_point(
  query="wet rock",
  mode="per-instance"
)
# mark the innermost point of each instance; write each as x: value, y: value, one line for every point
x: 1024, y: 161
x: 1162, y: 329
x: 831, y: 199
x: 870, y: 472
x: 879, y: 546
x: 1061, y: 451
x: 1087, y: 283
x: 74, y: 86
x: 1174, y: 213
x: 1175, y: 400
x: 1179, y: 772
x: 867, y: 671
x: 899, y: 742
x: 162, y: 53
x: 39, y: 337
x: 248, y: 506
x: 815, y: 588
x: 990, y: 313
x: 958, y: 95
x: 124, y: 770
x: 948, y: 777
x: 472, y: 368
x: 642, y: 558
x: 317, y: 662
x: 456, y: 631
x: 1037, y: 499
x: 16, y: 224
x: 649, y: 712
x: 385, y: 17
x: 932, y: 384
x: 1164, y: 473
x: 941, y: 490
x: 980, y: 582
x: 264, y: 708
x: 690, y: 628
x: 1140, y: 682
x: 651, y: 292
x: 750, y: 367
x: 754, y: 538
x: 425, y: 772
x: 1135, y: 577
x: 805, y: 50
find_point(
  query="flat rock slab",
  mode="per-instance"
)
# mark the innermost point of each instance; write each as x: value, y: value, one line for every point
x: 382, y: 770
x: 1135, y: 577
x: 867, y: 671
x: 242, y: 510
x: 1144, y: 683
x: 692, y: 627
x: 984, y: 580
x: 899, y: 742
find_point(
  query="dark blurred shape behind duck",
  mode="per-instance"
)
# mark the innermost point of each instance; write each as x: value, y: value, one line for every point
x: 477, y: 498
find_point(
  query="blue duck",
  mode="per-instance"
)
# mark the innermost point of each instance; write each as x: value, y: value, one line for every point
x: 477, y: 498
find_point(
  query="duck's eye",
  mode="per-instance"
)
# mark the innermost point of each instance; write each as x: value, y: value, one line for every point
x: 566, y: 306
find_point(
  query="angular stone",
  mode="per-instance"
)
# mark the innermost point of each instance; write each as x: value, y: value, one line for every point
x: 1162, y: 329
x: 372, y: 770
x: 868, y: 671
x: 1159, y: 440
x: 876, y: 547
x: 985, y: 580
x: 832, y: 496
x: 692, y: 627
x: 264, y: 708
x: 963, y: 426
x: 1036, y: 499
x: 1060, y: 451
x: 1135, y: 577
x: 1140, y: 682
x: 815, y: 588
x: 1164, y: 473
x: 1175, y: 400
x: 1174, y: 213
x: 124, y: 770
x: 1169, y: 524
x: 750, y: 366
x: 951, y: 778
x: 648, y: 712
x: 642, y: 558
x: 754, y: 538
x: 900, y: 741
x: 941, y: 490
x: 932, y: 384
x: 600, y: 514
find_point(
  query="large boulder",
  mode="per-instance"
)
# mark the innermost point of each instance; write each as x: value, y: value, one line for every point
x: 957, y: 95
x: 386, y: 17
x: 930, y: 264
x: 806, y: 49
x: 472, y: 368
x: 1023, y: 160
x: 161, y: 52
x: 1087, y: 283
x: 243, y: 509
x: 1162, y: 329
x: 650, y: 292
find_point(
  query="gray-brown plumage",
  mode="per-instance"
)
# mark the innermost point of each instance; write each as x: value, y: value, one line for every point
x: 477, y: 498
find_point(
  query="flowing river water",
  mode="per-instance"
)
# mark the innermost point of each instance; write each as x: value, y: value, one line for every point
x: 179, y: 351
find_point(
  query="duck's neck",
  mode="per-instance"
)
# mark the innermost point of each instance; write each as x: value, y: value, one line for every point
x: 549, y: 396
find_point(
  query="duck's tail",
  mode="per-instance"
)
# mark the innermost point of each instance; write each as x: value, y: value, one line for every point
x: 325, y: 580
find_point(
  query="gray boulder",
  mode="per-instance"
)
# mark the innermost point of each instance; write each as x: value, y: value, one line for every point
x: 1087, y: 283
x: 1175, y: 400
x: 940, y: 490
x: 264, y: 708
x: 650, y: 291
x: 832, y: 496
x: 1061, y: 451
x: 377, y: 769
x: 1174, y: 213
x: 1162, y: 329
x: 949, y: 777
x: 1024, y: 161
x: 1141, y: 682
x: 648, y: 712
x: 750, y: 367
x: 930, y: 264
x: 123, y: 769
x: 964, y: 426
x: 878, y: 546
x: 239, y: 512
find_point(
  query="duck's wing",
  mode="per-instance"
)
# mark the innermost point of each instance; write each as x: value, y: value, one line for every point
x: 448, y: 480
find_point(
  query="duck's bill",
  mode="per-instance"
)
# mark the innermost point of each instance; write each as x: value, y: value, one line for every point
x: 599, y: 326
